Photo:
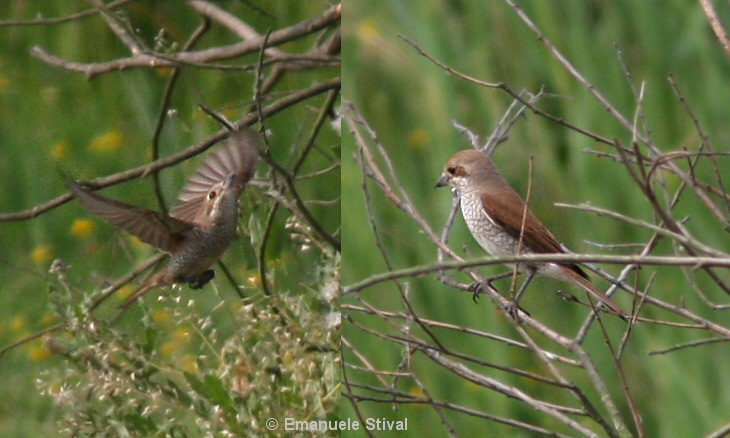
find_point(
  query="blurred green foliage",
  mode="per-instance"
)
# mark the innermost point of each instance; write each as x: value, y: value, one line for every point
x: 410, y: 103
x: 53, y: 119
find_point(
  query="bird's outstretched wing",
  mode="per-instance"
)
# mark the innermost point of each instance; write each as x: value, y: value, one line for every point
x: 238, y: 155
x: 152, y: 227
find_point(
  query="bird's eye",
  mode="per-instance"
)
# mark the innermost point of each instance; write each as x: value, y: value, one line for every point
x: 451, y: 170
x: 212, y: 194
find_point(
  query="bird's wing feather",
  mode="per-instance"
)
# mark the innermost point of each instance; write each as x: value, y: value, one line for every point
x: 152, y: 227
x: 189, y: 210
x: 238, y: 154
x: 506, y: 208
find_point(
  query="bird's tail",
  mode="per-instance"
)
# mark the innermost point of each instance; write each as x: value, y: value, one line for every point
x: 590, y: 288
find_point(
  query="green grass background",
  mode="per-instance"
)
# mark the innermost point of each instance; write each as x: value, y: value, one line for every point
x: 410, y: 102
x: 51, y: 118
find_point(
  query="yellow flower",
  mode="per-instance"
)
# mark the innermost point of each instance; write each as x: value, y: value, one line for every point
x: 81, y: 227
x: 41, y: 254
x: 416, y: 391
x: 169, y: 348
x: 39, y: 353
x: 368, y: 30
x: 190, y: 364
x: 48, y: 319
x: 418, y: 139
x: 254, y: 280
x: 4, y: 84
x: 182, y: 334
x: 230, y: 112
x: 18, y: 323
x: 60, y: 150
x: 106, y: 142
x: 161, y: 316
x: 125, y: 291
x: 55, y: 388
x: 164, y: 72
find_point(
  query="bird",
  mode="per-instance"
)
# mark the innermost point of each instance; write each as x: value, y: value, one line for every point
x: 200, y: 228
x: 494, y: 213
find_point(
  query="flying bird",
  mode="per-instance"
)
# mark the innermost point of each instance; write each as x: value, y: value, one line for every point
x: 196, y: 232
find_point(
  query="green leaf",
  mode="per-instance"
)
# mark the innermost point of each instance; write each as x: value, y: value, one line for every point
x: 218, y: 394
x: 179, y: 393
x: 212, y: 389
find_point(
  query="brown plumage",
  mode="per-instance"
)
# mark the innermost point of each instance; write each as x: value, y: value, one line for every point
x: 197, y: 232
x: 494, y: 213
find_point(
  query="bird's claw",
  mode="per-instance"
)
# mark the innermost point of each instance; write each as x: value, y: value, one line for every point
x: 476, y: 288
x: 202, y: 279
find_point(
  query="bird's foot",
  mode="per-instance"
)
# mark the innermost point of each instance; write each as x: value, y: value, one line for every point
x: 201, y: 280
x: 476, y: 288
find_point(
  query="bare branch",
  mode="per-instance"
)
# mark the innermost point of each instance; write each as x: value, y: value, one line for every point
x: 148, y: 60
x: 717, y: 26
x: 230, y: 21
x: 59, y: 20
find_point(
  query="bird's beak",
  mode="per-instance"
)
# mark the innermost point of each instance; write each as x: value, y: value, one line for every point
x: 443, y: 181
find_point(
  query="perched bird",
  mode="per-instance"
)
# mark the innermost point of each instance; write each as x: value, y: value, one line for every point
x: 198, y: 231
x: 494, y: 213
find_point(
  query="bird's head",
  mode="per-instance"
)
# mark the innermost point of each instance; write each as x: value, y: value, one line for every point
x: 466, y: 168
x: 221, y: 201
